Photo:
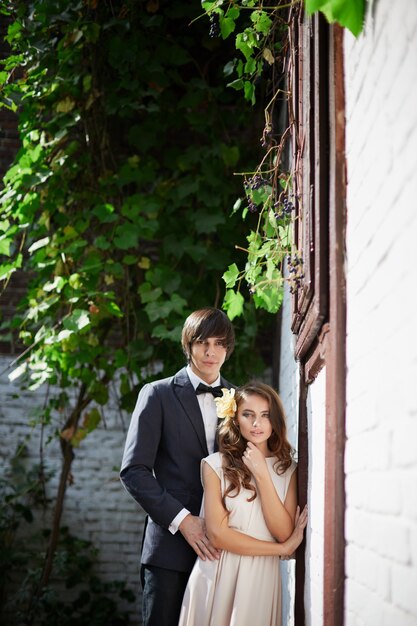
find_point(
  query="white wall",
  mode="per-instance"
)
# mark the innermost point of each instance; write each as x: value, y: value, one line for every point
x: 288, y: 389
x: 316, y: 423
x: 381, y: 419
x: 316, y: 418
x: 97, y: 508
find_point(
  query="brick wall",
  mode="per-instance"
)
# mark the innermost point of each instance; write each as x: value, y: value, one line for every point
x: 288, y: 389
x: 381, y: 420
x: 316, y: 417
x: 97, y: 508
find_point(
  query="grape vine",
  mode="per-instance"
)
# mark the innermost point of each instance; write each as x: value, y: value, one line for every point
x: 264, y: 61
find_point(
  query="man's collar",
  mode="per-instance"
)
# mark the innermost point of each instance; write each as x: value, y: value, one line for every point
x: 196, y: 380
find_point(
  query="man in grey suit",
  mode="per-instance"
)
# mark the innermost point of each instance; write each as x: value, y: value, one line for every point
x: 172, y: 428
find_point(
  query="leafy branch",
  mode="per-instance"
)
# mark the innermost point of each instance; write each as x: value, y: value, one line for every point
x: 264, y: 48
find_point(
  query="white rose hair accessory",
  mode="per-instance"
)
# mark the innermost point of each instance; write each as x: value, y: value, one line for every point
x: 226, y: 405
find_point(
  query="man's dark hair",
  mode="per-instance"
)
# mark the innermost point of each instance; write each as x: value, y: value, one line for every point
x: 204, y: 323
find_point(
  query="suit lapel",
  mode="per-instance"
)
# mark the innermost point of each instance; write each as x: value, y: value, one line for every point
x: 187, y: 397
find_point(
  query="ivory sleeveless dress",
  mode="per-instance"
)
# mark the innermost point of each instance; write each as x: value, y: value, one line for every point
x: 237, y: 590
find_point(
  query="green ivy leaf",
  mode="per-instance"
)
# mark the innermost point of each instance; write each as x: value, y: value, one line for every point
x: 230, y: 277
x: 55, y: 285
x: 160, y: 331
x: 261, y: 195
x: 270, y: 269
x: 245, y: 44
x: 104, y: 212
x: 102, y: 242
x: 162, y: 309
x: 148, y: 293
x: 207, y: 6
x: 269, y: 297
x: 261, y: 21
x: 230, y: 155
x: 16, y: 373
x: 237, y: 205
x: 99, y: 392
x: 233, y: 304
x: 233, y: 12
x: 113, y: 309
x: 90, y: 422
x: 348, y: 13
x: 78, y: 320
x: 227, y: 26
x: 7, y: 269
x: 41, y: 243
x: 249, y: 91
x: 236, y: 84
x: 207, y: 223
x: 250, y: 66
x: 125, y: 237
x: 284, y: 234
x: 5, y: 246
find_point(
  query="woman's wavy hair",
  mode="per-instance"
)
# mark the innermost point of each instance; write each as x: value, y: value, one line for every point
x: 233, y: 445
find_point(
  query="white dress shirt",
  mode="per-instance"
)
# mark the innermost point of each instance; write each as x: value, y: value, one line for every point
x: 208, y: 411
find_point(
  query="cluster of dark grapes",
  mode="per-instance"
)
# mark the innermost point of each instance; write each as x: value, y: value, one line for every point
x: 255, y: 182
x: 296, y: 272
x: 214, y: 25
x: 283, y: 208
x: 253, y: 208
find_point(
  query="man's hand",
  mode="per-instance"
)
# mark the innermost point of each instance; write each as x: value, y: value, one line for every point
x: 193, y: 529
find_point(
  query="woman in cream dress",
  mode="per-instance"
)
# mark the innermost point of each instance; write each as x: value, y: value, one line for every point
x: 251, y: 514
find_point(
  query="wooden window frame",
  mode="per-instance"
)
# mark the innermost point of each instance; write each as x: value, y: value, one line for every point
x: 310, y: 302
x: 319, y: 306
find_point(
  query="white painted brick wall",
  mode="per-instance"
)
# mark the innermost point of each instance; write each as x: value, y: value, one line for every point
x: 288, y: 389
x: 316, y: 414
x: 316, y: 424
x: 289, y: 371
x: 381, y: 425
x: 97, y: 508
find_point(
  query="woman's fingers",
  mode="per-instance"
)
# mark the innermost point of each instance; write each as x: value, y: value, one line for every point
x: 297, y: 515
x: 301, y: 520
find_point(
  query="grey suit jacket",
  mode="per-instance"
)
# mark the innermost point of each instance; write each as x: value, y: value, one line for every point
x: 161, y: 465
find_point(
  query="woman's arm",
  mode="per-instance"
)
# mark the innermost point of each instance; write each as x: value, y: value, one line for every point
x: 279, y: 516
x: 225, y: 538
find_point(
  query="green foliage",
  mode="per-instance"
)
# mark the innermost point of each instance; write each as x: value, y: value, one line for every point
x: 22, y: 496
x: 20, y: 490
x: 347, y: 13
x: 262, y: 48
x: 94, y: 601
x: 254, y: 28
x: 117, y: 204
x: 262, y: 43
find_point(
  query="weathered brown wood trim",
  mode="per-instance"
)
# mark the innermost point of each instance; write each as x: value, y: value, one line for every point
x: 302, y: 481
x: 317, y: 359
x: 310, y: 307
x: 334, y: 536
x: 319, y: 314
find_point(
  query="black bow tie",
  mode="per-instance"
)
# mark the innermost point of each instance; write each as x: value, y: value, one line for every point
x: 216, y: 391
